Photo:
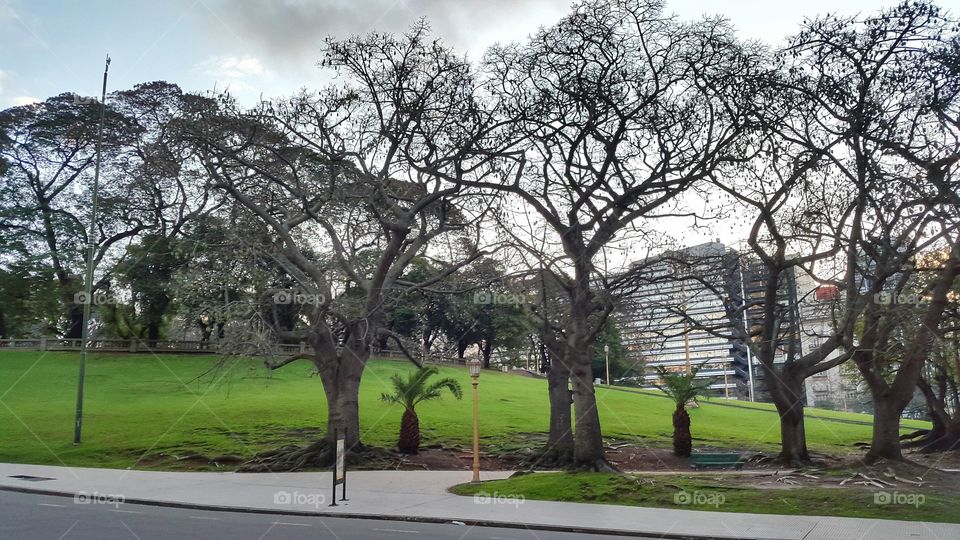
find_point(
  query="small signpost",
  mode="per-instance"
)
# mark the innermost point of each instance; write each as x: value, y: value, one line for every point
x: 340, y: 468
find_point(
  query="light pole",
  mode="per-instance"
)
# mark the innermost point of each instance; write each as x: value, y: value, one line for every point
x: 606, y: 360
x: 474, y: 366
x: 746, y: 333
x: 88, y: 276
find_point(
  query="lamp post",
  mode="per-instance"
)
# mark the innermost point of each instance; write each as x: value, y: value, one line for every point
x: 91, y: 262
x: 606, y: 360
x: 474, y: 366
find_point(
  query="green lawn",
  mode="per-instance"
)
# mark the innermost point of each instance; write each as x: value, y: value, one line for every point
x: 143, y: 405
x: 692, y: 493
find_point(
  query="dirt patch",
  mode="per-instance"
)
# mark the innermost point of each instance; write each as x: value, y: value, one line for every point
x: 439, y: 458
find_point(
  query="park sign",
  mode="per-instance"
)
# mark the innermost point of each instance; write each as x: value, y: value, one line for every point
x: 339, y: 475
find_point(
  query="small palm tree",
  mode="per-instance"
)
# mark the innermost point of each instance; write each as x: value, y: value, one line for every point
x: 682, y: 388
x: 410, y: 391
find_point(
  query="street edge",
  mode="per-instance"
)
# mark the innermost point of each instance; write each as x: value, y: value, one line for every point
x: 382, y: 517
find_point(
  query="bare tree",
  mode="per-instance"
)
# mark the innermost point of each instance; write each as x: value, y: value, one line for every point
x: 366, y: 173
x: 613, y: 113
x: 887, y: 87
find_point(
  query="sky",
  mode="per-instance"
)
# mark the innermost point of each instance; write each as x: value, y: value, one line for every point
x: 271, y: 48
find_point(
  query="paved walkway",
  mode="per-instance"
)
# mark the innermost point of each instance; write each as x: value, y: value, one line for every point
x: 422, y: 495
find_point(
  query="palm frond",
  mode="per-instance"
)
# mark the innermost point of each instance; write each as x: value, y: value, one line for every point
x: 435, y: 390
x: 412, y: 389
x: 681, y: 387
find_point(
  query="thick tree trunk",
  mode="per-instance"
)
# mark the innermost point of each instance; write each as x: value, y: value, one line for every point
x: 786, y: 389
x: 341, y: 384
x: 938, y: 414
x: 886, y: 431
x: 153, y: 334
x: 559, y: 449
x: 587, y: 438
x: 74, y: 320
x: 793, y: 437
x: 682, y: 439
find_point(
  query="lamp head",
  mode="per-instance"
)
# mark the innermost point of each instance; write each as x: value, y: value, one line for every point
x: 474, y: 366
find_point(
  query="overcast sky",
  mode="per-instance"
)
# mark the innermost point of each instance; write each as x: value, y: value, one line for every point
x: 270, y: 48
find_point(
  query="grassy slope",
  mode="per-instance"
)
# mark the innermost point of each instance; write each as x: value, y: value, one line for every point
x: 661, y: 493
x: 144, y: 404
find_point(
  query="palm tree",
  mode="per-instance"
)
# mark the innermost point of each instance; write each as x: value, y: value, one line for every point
x: 682, y: 388
x: 410, y: 391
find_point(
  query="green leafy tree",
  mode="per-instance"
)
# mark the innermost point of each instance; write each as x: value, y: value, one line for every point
x: 681, y: 387
x: 410, y: 391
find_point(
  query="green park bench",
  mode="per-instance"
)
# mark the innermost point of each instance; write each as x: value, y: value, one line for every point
x: 707, y: 461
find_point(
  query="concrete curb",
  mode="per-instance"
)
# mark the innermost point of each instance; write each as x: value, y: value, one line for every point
x: 347, y: 515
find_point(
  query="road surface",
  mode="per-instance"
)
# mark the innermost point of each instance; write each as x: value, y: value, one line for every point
x: 29, y: 517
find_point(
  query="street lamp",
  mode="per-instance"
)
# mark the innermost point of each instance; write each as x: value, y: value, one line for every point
x: 474, y: 366
x: 91, y: 262
x: 606, y: 359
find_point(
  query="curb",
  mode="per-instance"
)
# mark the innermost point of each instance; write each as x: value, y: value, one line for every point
x: 380, y: 517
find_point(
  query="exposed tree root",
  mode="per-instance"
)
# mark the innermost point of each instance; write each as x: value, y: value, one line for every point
x: 600, y: 465
x: 317, y: 455
x: 291, y: 458
x: 939, y: 444
x: 548, y: 458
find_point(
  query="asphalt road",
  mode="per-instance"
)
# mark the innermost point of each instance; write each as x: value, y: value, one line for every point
x: 28, y: 517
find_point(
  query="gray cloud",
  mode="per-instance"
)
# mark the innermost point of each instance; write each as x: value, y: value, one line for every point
x: 287, y: 31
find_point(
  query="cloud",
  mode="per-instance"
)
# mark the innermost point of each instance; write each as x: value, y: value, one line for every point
x: 24, y: 100
x: 231, y: 67
x: 244, y: 76
x: 292, y: 31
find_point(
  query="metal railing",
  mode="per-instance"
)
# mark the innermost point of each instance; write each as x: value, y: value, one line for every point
x: 167, y: 346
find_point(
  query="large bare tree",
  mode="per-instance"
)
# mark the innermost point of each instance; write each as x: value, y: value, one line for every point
x: 612, y: 113
x: 353, y: 184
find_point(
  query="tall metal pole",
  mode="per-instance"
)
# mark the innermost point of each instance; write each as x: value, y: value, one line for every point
x: 91, y: 252
x: 476, y: 431
x: 746, y: 332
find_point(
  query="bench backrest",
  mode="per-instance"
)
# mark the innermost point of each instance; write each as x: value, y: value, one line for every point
x: 715, y: 457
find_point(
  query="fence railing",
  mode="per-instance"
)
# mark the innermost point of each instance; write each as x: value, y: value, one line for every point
x: 177, y: 347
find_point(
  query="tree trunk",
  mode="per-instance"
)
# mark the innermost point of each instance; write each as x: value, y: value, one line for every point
x: 409, y: 442
x: 559, y: 449
x: 886, y: 431
x: 682, y: 440
x: 486, y: 349
x: 587, y: 438
x: 153, y: 334
x: 341, y: 384
x: 938, y: 414
x: 786, y: 390
x: 75, y: 320
x: 793, y: 437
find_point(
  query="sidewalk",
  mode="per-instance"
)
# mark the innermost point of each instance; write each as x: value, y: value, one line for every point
x: 423, y: 496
